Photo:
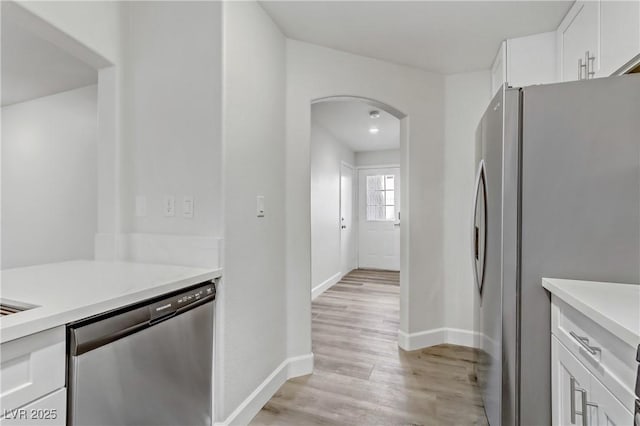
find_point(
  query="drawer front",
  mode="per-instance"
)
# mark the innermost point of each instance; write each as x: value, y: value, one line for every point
x: 608, y: 358
x: 50, y: 410
x: 31, y: 367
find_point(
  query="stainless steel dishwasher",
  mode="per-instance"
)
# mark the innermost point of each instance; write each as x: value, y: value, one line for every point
x: 147, y: 364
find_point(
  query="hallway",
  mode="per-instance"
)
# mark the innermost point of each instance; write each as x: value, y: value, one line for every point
x: 361, y: 377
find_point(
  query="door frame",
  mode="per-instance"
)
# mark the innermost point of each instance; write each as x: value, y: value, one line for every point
x: 357, y: 201
x: 303, y: 272
x: 354, y: 204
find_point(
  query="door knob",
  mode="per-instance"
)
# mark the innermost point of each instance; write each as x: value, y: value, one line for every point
x: 343, y: 227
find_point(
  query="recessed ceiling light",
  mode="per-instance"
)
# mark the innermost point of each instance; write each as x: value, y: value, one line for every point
x: 374, y: 114
x: 373, y: 130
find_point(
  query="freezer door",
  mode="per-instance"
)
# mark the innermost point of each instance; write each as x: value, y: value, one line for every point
x: 489, y: 368
x: 580, y: 207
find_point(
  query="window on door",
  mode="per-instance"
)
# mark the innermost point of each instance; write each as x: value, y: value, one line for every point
x: 380, y: 198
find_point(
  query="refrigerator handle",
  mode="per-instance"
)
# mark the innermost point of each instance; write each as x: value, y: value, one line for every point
x: 475, y: 231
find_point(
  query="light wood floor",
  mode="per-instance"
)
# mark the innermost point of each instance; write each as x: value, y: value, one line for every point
x: 361, y: 377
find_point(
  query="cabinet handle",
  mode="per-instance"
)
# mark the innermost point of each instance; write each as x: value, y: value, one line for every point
x: 581, y: 67
x: 572, y: 389
x: 583, y: 407
x: 584, y: 404
x: 584, y: 342
x: 589, y: 62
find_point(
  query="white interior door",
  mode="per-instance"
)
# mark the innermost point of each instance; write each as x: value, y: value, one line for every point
x: 379, y: 218
x: 347, y: 234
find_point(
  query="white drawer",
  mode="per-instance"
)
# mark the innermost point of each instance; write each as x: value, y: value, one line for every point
x: 50, y: 410
x: 31, y: 367
x: 613, y: 363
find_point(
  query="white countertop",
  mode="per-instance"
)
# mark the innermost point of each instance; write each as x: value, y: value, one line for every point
x: 616, y: 307
x: 69, y: 291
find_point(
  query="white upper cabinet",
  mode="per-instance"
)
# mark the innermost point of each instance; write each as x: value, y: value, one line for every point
x: 597, y: 38
x: 620, y: 35
x: 579, y: 41
x: 525, y: 61
x: 531, y: 60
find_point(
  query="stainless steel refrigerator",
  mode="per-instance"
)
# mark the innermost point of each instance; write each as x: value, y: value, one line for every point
x: 557, y: 195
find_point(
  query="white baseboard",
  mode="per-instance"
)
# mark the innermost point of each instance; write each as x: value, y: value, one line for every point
x: 457, y: 336
x: 289, y: 368
x: 299, y: 366
x: 438, y: 336
x: 321, y: 288
x: 422, y: 339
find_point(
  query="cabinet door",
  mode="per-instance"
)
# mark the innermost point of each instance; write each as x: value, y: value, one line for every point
x: 567, y: 397
x: 50, y: 410
x: 579, y: 33
x: 620, y: 36
x: 609, y: 410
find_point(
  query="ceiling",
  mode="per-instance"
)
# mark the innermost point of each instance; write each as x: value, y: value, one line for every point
x: 349, y: 122
x: 441, y: 36
x: 33, y: 67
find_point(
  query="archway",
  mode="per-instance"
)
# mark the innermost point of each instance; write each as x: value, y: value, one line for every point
x: 401, y: 164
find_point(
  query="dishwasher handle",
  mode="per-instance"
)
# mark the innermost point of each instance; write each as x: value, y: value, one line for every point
x: 94, y: 332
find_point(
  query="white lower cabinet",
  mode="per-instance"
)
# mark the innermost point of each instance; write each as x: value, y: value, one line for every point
x: 609, y: 410
x: 50, y: 410
x: 32, y: 379
x: 578, y: 396
x: 571, y: 384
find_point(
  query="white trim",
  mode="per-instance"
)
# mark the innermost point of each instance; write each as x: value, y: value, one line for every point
x: 422, y: 339
x: 349, y: 165
x: 289, y: 368
x: 438, y: 336
x: 326, y: 285
x: 371, y: 102
x: 354, y: 207
x: 299, y: 366
x: 379, y: 166
x: 457, y: 336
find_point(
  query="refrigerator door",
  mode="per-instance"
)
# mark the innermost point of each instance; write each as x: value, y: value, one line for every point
x: 580, y: 207
x: 510, y: 256
x: 489, y: 368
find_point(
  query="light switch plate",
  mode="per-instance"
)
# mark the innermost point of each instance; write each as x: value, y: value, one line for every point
x: 141, y: 206
x: 187, y: 206
x: 169, y: 205
x: 260, y: 206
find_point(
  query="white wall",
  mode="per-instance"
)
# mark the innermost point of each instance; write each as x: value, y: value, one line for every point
x: 466, y: 97
x: 172, y: 116
x: 314, y: 72
x: 378, y: 158
x: 327, y: 155
x: 254, y: 289
x: 93, y: 32
x: 49, y: 178
x: 95, y: 24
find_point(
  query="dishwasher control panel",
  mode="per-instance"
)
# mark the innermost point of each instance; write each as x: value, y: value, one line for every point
x: 171, y: 305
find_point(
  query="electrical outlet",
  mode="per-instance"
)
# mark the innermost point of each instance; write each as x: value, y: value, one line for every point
x: 169, y: 205
x: 187, y: 206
